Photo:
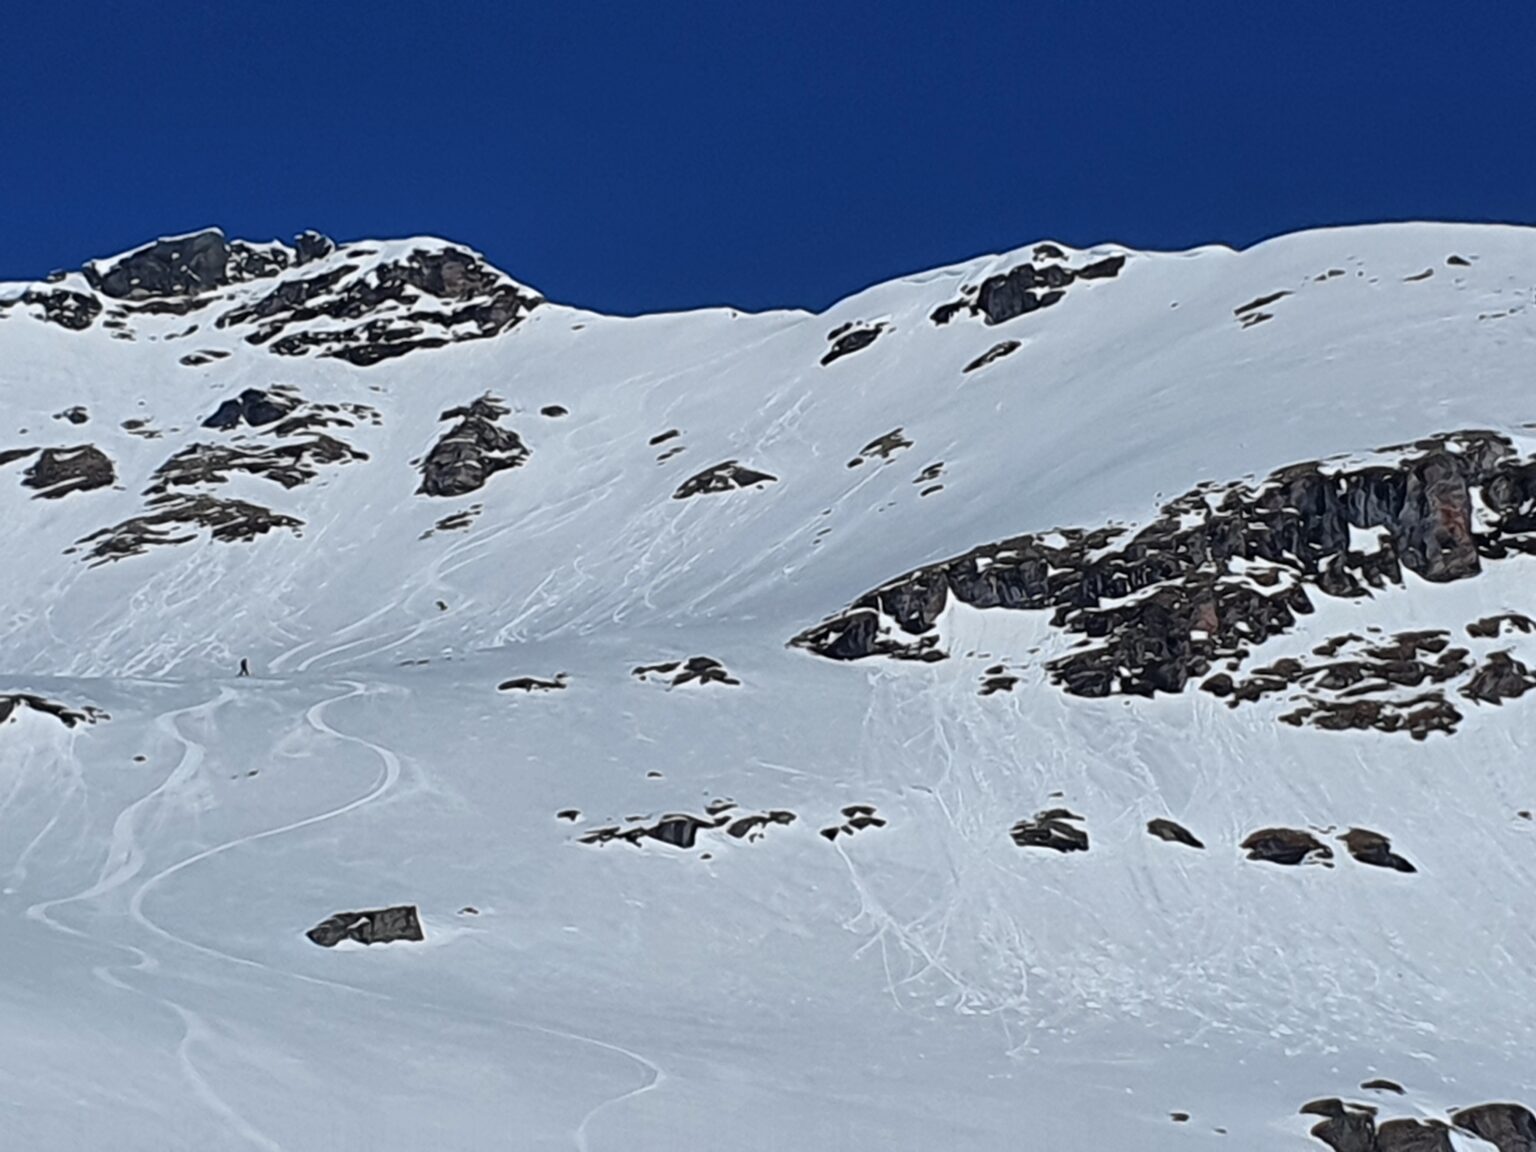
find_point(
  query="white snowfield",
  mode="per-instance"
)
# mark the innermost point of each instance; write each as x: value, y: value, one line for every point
x: 923, y: 985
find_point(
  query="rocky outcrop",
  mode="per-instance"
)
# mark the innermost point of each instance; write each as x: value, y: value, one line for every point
x: 1288, y: 846
x: 993, y: 354
x: 1374, y: 849
x: 59, y: 472
x: 694, y: 670
x: 533, y: 684
x: 379, y: 926
x: 73, y: 310
x: 472, y: 451
x: 177, y: 519
x: 1500, y: 678
x: 1028, y: 287
x: 856, y: 818
x: 1508, y: 1127
x: 849, y: 338
x: 1053, y: 829
x: 13, y: 702
x: 1223, y: 569
x: 882, y: 447
x: 181, y: 266
x: 1165, y: 829
x: 723, y: 477
x: 253, y: 407
x: 428, y: 298
x: 1352, y: 1127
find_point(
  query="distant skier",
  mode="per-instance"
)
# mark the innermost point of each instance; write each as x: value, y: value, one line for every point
x: 245, y: 666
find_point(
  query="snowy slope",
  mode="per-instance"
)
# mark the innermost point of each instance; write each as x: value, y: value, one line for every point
x: 922, y: 983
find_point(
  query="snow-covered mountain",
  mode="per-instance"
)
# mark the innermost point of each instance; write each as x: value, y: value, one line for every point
x: 1069, y: 699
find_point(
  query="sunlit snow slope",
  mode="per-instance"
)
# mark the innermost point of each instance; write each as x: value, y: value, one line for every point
x: 392, y: 479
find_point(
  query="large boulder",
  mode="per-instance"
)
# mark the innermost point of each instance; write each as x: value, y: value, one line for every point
x: 378, y: 926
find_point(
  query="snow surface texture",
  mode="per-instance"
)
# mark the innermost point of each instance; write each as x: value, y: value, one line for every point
x: 887, y: 970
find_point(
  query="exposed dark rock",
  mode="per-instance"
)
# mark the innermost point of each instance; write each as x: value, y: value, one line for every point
x: 849, y: 339
x: 12, y: 702
x: 993, y: 354
x: 663, y: 437
x: 696, y: 669
x: 312, y: 245
x: 996, y: 682
x: 554, y: 411
x: 1165, y: 829
x: 253, y: 407
x: 472, y: 451
x: 721, y: 478
x: 1051, y: 829
x: 1380, y: 1085
x: 1226, y: 568
x: 533, y: 684
x: 1348, y: 1132
x: 379, y: 926
x: 176, y: 519
x: 1026, y: 288
x: 751, y: 827
x: 11, y: 455
x: 882, y: 447
x: 1375, y: 849
x: 75, y: 415
x: 468, y: 300
x: 1491, y: 627
x: 1501, y: 678
x: 856, y: 818
x: 73, y: 310
x: 679, y: 830
x: 1286, y: 846
x: 454, y: 521
x: 290, y: 464
x: 1508, y: 1127
x: 1404, y: 1135
x: 1262, y: 301
x: 60, y: 471
x: 183, y: 266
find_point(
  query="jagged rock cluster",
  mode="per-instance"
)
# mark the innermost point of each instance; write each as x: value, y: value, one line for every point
x: 681, y: 830
x: 1033, y: 285
x: 1223, y: 569
x: 426, y: 300
x: 472, y: 451
x: 1361, y: 684
x: 1348, y: 1126
x: 288, y: 451
x: 429, y: 297
x: 378, y: 926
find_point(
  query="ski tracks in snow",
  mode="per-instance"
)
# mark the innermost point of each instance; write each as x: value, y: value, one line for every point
x: 125, y: 861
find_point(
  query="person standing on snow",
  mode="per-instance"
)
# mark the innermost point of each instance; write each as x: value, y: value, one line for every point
x: 245, y: 666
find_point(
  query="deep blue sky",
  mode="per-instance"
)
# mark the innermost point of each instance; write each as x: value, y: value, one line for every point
x: 644, y: 156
